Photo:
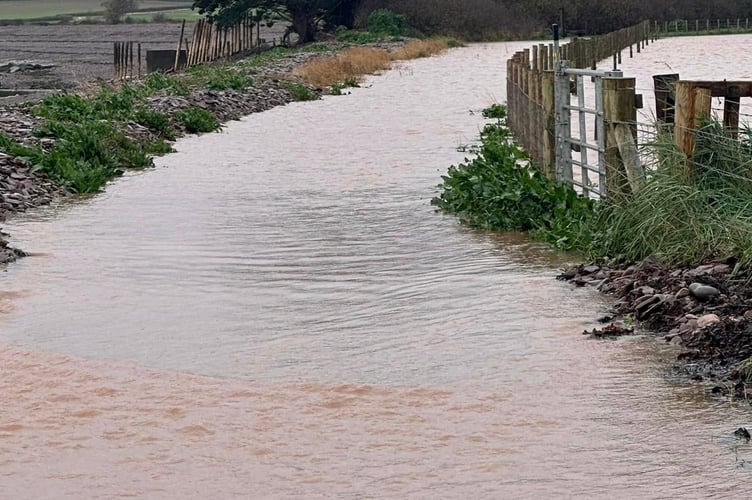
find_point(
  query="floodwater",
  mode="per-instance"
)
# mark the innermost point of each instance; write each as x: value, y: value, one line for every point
x: 276, y: 311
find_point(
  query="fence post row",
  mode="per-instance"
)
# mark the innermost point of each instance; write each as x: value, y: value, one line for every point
x: 208, y: 43
x: 538, y: 88
x: 211, y: 43
x: 125, y: 64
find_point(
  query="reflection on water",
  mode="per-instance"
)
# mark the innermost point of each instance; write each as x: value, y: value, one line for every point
x: 277, y: 311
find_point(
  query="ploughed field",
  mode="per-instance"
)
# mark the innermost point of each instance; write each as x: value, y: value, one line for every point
x: 80, y: 53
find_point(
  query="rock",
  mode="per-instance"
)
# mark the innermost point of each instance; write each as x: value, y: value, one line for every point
x: 703, y: 292
x: 708, y: 319
x: 651, y: 262
x: 646, y: 290
x: 748, y: 314
x: 721, y: 269
x: 742, y: 433
x: 590, y: 269
x: 683, y: 292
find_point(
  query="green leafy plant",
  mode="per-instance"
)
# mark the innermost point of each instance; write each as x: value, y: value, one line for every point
x: 498, y: 111
x: 300, y: 92
x: 155, y: 121
x: 386, y: 22
x: 157, y: 81
x: 197, y: 120
x: 498, y: 189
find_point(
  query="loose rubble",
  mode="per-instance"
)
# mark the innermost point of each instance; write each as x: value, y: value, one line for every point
x: 703, y: 309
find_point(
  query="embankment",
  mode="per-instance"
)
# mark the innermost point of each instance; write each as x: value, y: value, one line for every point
x: 73, y: 143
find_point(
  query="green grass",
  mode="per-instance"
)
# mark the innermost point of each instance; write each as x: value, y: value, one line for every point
x: 46, y: 9
x: 684, y: 222
x: 174, y: 15
x: 217, y: 77
x: 266, y: 57
x: 300, y: 92
x: 197, y: 120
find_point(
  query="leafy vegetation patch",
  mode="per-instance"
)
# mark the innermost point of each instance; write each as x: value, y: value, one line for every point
x: 680, y: 221
x: 217, y: 77
x: 300, y: 92
x: 499, y: 190
x: 197, y: 120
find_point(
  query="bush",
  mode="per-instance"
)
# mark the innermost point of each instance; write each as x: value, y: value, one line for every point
x: 386, y: 22
x: 499, y: 190
x: 114, y: 10
x: 197, y: 120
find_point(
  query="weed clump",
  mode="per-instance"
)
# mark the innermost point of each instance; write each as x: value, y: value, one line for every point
x: 300, y: 92
x: 499, y: 190
x: 681, y: 216
x: 197, y: 120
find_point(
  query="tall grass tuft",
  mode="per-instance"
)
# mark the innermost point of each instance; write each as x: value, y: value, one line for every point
x: 352, y: 64
x: 680, y: 220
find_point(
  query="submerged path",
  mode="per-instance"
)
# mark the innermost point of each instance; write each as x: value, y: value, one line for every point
x: 277, y: 311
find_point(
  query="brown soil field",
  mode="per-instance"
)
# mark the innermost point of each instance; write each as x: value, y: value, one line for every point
x: 81, y: 53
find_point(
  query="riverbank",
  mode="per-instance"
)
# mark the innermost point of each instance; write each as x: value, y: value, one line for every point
x: 703, y: 309
x: 690, y: 299
x: 76, y: 142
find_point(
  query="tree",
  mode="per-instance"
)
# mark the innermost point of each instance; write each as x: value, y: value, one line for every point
x: 114, y: 10
x: 303, y: 15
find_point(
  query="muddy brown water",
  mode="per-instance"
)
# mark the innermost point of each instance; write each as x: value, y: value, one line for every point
x: 277, y: 312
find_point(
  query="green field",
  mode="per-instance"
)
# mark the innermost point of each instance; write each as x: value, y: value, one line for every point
x: 172, y: 15
x: 49, y: 9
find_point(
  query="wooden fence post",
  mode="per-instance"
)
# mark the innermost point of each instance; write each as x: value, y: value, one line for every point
x: 180, y: 45
x: 623, y: 171
x: 692, y: 105
x: 549, y: 136
x: 664, y: 97
x: 731, y: 109
x: 115, y: 60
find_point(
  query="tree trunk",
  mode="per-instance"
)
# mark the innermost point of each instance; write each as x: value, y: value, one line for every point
x: 302, y: 23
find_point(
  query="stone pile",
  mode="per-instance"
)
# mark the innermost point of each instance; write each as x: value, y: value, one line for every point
x: 701, y: 308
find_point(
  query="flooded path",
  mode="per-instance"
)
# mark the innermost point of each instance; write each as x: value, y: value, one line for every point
x: 276, y: 311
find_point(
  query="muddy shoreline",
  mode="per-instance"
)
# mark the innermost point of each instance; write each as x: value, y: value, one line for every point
x: 703, y: 309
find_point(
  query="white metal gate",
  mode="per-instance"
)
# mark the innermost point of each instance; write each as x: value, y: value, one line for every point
x: 590, y: 185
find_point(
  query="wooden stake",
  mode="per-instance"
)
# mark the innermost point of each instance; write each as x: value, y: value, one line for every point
x: 180, y: 45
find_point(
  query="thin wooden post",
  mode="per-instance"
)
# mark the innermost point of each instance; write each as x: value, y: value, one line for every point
x: 180, y: 45
x: 665, y: 97
x: 549, y: 135
x: 692, y: 105
x: 115, y: 60
x: 731, y: 109
x: 620, y: 116
x: 130, y: 55
x: 139, y: 59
